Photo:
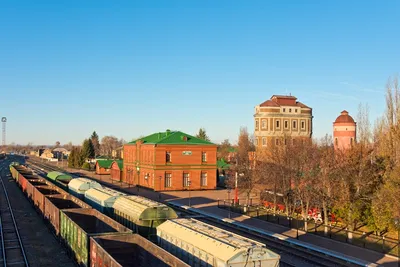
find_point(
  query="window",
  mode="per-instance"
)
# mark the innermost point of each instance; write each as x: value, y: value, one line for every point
x: 256, y: 124
x: 186, y: 179
x: 294, y: 124
x: 277, y: 124
x: 336, y: 141
x: 290, y: 110
x: 276, y: 141
x: 168, y: 180
x: 168, y: 156
x: 303, y: 125
x: 264, y: 141
x: 203, y: 180
x: 295, y: 111
x: 351, y: 141
x: 203, y: 156
x: 256, y: 141
x: 284, y: 109
x: 286, y: 124
x: 263, y: 124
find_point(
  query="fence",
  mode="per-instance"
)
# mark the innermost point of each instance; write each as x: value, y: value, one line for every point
x: 336, y: 231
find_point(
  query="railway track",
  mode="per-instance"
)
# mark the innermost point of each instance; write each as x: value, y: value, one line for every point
x: 12, y: 248
x: 290, y: 255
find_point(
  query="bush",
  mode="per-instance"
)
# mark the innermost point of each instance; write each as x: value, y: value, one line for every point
x: 86, y: 166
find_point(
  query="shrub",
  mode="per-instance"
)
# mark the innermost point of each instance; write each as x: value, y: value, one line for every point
x: 86, y: 166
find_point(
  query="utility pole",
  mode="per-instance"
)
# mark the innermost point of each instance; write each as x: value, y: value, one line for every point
x: 4, y: 121
x: 236, y: 181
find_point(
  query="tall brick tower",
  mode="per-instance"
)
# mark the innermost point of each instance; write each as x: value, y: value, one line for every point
x: 344, y: 131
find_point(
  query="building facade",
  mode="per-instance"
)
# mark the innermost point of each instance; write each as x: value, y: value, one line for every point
x: 281, y: 119
x: 171, y: 160
x: 344, y: 131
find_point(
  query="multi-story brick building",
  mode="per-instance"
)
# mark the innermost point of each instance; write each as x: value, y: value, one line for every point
x: 344, y: 131
x: 280, y: 119
x: 171, y: 160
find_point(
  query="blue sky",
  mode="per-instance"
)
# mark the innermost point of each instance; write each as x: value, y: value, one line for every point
x: 130, y: 68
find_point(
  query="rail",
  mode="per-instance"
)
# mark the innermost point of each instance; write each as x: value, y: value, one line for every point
x: 13, y: 241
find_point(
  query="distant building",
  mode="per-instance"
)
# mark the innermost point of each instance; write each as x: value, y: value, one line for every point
x: 60, y: 153
x: 118, y: 153
x: 171, y: 160
x: 344, y: 131
x: 280, y: 119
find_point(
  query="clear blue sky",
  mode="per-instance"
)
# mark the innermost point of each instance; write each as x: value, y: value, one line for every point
x: 130, y: 68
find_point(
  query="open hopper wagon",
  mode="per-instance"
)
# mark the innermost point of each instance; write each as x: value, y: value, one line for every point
x: 78, y: 225
x: 54, y: 203
x: 129, y: 251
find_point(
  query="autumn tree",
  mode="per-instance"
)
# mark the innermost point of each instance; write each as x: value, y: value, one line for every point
x: 203, y: 135
x: 386, y: 204
x: 224, y: 150
x: 243, y: 166
x: 96, y: 144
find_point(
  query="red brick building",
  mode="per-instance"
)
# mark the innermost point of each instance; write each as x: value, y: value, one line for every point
x: 344, y: 131
x: 171, y: 160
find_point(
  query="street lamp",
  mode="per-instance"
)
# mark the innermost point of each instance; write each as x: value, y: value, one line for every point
x: 229, y: 200
x: 189, y: 182
x: 138, y: 177
x: 397, y: 225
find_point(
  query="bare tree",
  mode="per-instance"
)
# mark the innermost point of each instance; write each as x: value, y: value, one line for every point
x: 108, y: 144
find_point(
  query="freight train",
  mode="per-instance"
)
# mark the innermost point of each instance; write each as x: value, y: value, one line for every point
x: 94, y: 238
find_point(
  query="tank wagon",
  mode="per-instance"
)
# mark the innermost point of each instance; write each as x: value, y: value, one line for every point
x: 79, y: 186
x: 141, y: 214
x: 53, y: 204
x: 201, y: 244
x: 78, y: 225
x: 60, y: 179
x: 129, y: 251
x: 102, y: 199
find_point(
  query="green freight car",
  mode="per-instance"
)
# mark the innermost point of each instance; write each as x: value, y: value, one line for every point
x: 78, y: 225
x: 142, y: 214
x: 60, y: 179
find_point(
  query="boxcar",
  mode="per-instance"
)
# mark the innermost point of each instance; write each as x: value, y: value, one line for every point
x: 60, y: 179
x: 141, y: 214
x: 40, y: 192
x: 54, y: 203
x: 79, y: 186
x: 78, y: 225
x: 201, y: 244
x: 129, y: 251
x: 102, y: 199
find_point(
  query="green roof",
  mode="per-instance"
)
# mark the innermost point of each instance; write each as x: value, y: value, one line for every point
x: 221, y: 164
x: 58, y: 176
x: 105, y: 163
x: 172, y: 138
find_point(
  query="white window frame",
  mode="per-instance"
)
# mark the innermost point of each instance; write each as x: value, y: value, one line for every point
x: 286, y: 124
x: 168, y: 180
x: 203, y: 179
x: 186, y: 179
x: 303, y: 122
x: 264, y: 124
x: 264, y: 141
x: 203, y: 156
